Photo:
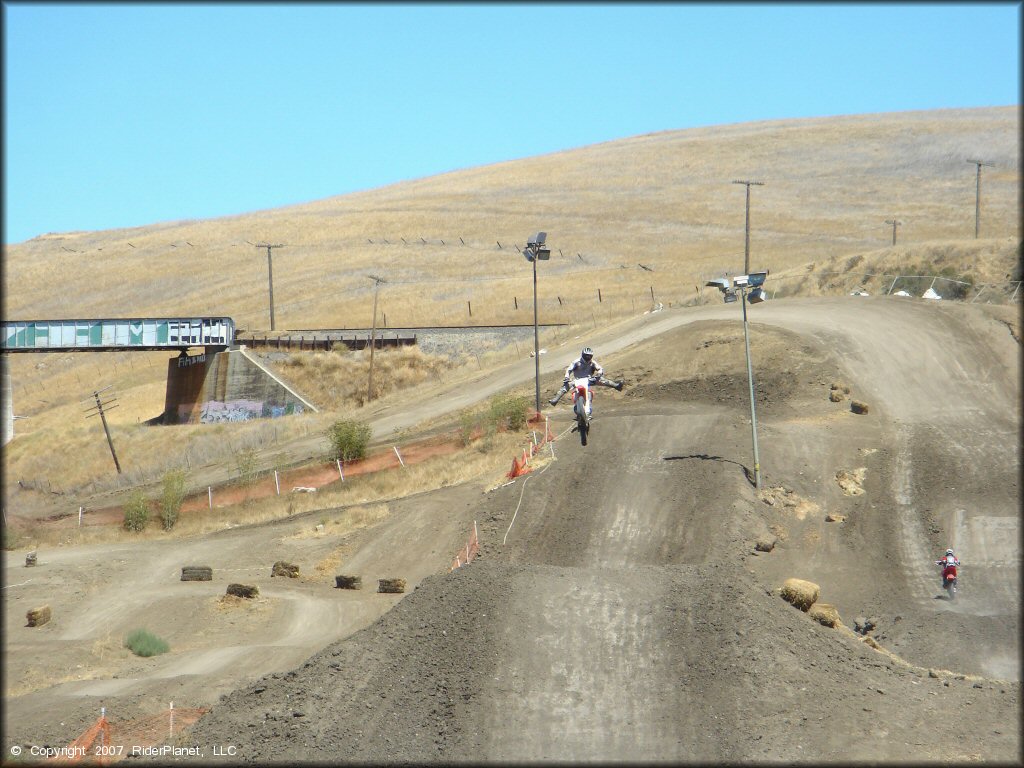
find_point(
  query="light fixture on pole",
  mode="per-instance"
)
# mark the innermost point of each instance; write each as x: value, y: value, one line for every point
x: 977, y: 196
x: 753, y: 283
x: 534, y: 252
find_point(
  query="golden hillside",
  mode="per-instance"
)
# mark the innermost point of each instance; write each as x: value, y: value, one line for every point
x: 663, y: 200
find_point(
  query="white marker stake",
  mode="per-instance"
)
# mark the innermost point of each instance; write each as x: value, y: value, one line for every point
x: 277, y: 482
x: 209, y: 491
x: 170, y: 731
x: 79, y: 517
x: 340, y: 473
x: 399, y: 456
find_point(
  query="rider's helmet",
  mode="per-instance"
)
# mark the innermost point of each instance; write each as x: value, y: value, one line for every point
x: 949, y: 551
x: 587, y: 354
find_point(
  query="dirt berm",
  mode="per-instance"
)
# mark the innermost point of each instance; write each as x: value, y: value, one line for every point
x: 619, y: 610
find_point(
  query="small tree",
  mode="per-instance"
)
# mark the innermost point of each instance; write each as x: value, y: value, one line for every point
x: 349, y: 439
x: 136, y: 512
x: 509, y: 411
x: 172, y: 497
x: 246, y: 464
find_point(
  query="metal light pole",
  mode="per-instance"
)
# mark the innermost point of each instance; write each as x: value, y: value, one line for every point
x: 746, y: 247
x: 534, y: 252
x: 977, y: 196
x: 750, y: 384
x: 373, y: 334
x: 753, y: 281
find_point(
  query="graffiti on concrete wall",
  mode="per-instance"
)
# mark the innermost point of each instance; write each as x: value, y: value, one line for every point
x: 214, y: 411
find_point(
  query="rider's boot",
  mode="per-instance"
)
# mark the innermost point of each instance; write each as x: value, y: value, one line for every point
x: 554, y: 400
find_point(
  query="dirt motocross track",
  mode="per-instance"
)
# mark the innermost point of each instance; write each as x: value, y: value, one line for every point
x: 619, y: 610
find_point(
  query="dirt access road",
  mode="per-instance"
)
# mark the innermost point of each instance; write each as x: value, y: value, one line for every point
x: 618, y: 610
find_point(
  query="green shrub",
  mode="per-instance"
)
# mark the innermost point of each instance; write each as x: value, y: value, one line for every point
x: 349, y: 439
x: 509, y: 411
x: 136, y: 512
x: 144, y: 643
x: 245, y: 464
x: 171, y: 497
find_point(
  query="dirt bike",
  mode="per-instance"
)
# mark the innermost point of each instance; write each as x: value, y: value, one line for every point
x: 582, y: 399
x: 949, y: 578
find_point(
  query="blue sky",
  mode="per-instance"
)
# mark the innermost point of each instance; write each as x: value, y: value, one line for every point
x: 122, y: 115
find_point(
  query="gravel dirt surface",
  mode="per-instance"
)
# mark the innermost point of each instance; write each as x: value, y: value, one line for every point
x: 619, y: 609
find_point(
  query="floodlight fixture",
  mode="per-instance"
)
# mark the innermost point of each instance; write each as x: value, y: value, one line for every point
x: 757, y: 278
x: 756, y: 296
x: 543, y: 253
x: 741, y: 281
x: 538, y: 239
x: 721, y: 283
x: 730, y: 296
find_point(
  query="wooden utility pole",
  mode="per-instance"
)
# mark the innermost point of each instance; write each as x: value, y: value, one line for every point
x: 100, y: 405
x: 270, y: 275
x: 373, y: 334
x: 977, y: 196
x: 746, y: 246
x: 895, y: 223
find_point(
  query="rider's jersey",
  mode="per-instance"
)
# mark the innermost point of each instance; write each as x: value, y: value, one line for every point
x: 580, y: 368
x: 949, y: 564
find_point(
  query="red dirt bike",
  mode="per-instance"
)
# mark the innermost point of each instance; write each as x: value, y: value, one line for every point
x: 949, y: 578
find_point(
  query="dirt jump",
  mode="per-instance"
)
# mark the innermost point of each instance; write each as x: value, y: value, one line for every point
x: 626, y: 604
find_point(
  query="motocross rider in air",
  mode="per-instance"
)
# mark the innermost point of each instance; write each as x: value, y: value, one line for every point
x: 584, y: 366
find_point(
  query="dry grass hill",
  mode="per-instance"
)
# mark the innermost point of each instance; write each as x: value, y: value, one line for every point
x: 635, y: 221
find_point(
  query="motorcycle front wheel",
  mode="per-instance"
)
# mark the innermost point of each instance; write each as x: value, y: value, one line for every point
x: 582, y: 426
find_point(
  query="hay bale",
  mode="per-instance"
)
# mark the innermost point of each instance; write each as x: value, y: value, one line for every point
x: 348, y: 582
x: 765, y: 544
x: 38, y: 616
x: 836, y: 396
x: 858, y: 407
x: 391, y: 585
x: 824, y: 614
x: 197, y: 573
x: 835, y: 517
x: 799, y: 593
x: 281, y: 568
x: 840, y: 387
x: 243, y: 590
x: 30, y: 559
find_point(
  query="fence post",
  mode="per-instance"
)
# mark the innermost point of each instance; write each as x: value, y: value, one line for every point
x: 209, y: 491
x: 340, y: 473
x: 398, y: 455
x: 277, y: 483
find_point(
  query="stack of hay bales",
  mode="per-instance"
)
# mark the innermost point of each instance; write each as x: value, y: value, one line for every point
x: 348, y: 582
x: 804, y: 595
x: 281, y: 568
x: 243, y: 590
x: 391, y: 585
x: 196, y: 573
x: 38, y: 616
